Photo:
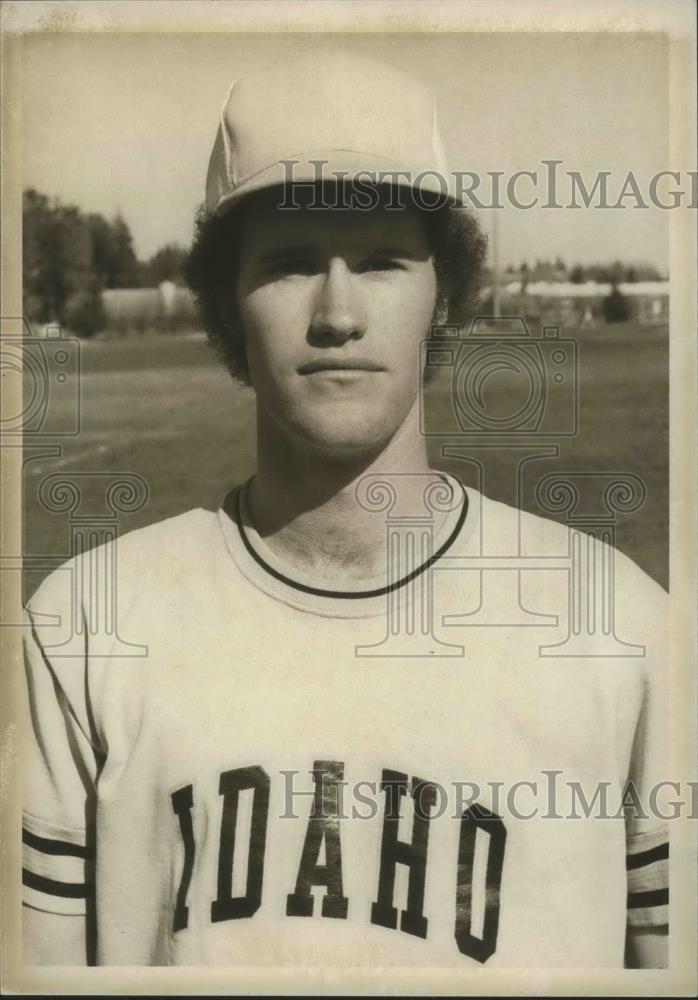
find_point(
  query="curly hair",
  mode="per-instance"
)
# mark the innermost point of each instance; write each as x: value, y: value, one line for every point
x: 458, y: 245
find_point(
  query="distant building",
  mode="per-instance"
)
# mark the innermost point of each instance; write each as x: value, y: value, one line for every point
x: 651, y: 299
x: 569, y: 304
x: 140, y: 310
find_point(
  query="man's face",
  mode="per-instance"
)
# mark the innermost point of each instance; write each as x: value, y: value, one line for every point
x: 334, y: 305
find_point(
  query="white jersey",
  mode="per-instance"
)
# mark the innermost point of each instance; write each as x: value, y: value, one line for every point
x: 227, y: 764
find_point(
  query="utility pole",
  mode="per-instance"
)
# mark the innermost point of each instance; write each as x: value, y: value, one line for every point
x: 496, y: 309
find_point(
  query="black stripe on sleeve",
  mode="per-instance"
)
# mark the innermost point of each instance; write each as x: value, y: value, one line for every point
x: 656, y: 897
x: 50, y: 846
x: 69, y: 890
x: 642, y: 858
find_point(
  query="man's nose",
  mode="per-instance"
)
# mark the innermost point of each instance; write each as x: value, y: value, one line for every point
x: 339, y: 313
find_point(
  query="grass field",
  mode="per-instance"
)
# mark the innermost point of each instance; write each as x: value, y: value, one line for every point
x: 163, y: 408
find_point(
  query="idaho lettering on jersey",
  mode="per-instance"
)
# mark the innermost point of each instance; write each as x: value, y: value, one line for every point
x: 413, y: 855
x: 475, y: 818
x: 226, y: 906
x: 182, y: 802
x: 324, y: 828
x: 323, y: 824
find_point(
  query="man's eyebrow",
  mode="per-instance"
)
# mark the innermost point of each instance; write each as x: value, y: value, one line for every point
x: 302, y: 251
x: 281, y: 253
x: 390, y: 252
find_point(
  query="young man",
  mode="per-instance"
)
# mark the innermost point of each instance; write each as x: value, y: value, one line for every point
x: 302, y: 758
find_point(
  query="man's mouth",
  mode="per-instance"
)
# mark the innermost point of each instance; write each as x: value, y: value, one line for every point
x: 339, y: 365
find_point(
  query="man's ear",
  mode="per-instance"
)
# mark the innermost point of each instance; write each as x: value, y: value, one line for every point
x: 440, y: 314
x: 224, y: 309
x: 229, y: 316
x: 232, y: 343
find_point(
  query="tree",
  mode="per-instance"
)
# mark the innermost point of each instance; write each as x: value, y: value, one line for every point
x: 68, y: 258
x: 615, y: 306
x: 525, y: 277
x: 647, y: 272
x: 102, y: 247
x: 577, y: 275
x: 113, y: 257
x: 123, y: 270
x: 56, y: 255
x: 165, y: 265
x: 617, y: 272
x: 84, y: 313
x: 36, y: 222
x: 559, y: 267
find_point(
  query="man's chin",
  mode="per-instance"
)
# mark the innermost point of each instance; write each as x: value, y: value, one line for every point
x: 339, y: 440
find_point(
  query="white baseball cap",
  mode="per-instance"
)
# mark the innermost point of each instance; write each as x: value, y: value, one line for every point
x: 326, y: 115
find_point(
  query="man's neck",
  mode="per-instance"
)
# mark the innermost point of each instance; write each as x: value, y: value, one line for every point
x: 314, y: 511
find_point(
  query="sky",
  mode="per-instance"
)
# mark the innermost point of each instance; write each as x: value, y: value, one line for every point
x: 125, y: 123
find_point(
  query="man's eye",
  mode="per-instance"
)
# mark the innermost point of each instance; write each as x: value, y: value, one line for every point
x: 292, y: 266
x: 380, y: 264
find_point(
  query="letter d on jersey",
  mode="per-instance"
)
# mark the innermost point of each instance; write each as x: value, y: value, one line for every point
x: 226, y: 906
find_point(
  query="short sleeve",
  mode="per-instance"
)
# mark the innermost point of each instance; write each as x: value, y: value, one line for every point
x: 60, y: 758
x: 648, y: 815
